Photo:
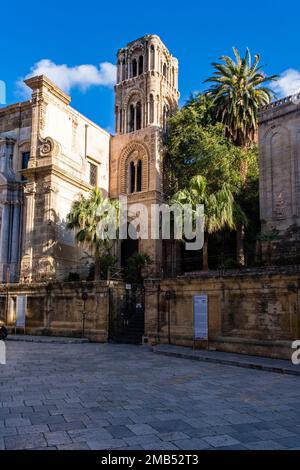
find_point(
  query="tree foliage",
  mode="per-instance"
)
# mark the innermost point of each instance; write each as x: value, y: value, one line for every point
x: 196, y: 146
x: 238, y: 90
x: 219, y: 207
x: 85, y: 217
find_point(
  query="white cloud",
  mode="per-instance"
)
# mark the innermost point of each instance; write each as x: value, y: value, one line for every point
x: 80, y: 76
x: 288, y: 83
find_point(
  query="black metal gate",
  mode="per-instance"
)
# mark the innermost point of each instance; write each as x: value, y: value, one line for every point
x: 126, y: 315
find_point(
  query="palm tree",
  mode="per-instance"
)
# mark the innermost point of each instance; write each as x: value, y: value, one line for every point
x: 237, y: 94
x: 87, y: 216
x: 218, y: 208
x: 238, y: 91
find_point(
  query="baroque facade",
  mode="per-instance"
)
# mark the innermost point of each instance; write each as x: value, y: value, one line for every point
x: 50, y: 153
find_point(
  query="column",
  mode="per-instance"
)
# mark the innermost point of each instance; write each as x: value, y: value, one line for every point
x: 15, y: 243
x: 149, y: 58
x: 5, y: 230
x: 125, y: 120
x: 134, y: 125
x: 28, y: 224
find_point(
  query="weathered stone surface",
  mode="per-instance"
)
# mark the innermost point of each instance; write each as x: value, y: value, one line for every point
x: 254, y: 312
x: 279, y: 178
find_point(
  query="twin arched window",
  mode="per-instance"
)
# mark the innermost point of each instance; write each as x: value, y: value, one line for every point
x: 135, y: 117
x: 133, y: 169
x: 135, y: 176
x: 137, y: 66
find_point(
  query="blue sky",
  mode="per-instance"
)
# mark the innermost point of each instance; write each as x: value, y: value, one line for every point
x: 90, y: 32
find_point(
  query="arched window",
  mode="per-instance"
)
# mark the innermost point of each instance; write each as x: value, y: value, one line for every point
x: 134, y: 68
x: 165, y: 70
x: 151, y: 113
x: 132, y: 177
x: 123, y: 69
x: 166, y: 113
x: 152, y: 57
x: 131, y: 118
x: 141, y: 64
x: 138, y: 111
x: 139, y: 176
x: 131, y: 155
x: 173, y: 76
x: 135, y: 176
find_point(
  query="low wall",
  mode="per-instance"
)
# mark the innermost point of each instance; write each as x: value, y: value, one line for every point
x: 57, y: 309
x: 251, y: 313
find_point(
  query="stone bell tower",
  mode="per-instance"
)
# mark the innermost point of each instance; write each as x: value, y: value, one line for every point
x: 146, y: 93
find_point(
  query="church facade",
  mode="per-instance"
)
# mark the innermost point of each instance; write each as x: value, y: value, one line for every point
x: 50, y: 153
x: 279, y: 152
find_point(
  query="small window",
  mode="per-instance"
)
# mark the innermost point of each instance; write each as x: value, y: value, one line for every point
x: 138, y: 115
x: 134, y: 68
x: 141, y: 65
x: 152, y: 52
x: 131, y: 118
x: 25, y: 163
x: 132, y: 178
x: 93, y: 174
x: 139, y: 177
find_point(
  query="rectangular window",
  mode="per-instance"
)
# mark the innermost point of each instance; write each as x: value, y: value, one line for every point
x: 25, y: 163
x: 93, y: 174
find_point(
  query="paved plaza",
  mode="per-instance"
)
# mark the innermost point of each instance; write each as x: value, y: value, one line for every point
x: 108, y: 396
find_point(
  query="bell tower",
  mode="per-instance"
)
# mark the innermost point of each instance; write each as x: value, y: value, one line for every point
x: 147, y: 85
x: 146, y: 93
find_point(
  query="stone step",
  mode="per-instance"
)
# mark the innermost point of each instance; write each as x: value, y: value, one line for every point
x: 240, y: 360
x: 46, y: 339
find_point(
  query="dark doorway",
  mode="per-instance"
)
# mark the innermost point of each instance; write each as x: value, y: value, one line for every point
x: 128, y: 248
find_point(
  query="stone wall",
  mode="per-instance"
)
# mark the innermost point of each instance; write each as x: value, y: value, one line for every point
x: 57, y: 309
x: 252, y: 313
x: 279, y: 158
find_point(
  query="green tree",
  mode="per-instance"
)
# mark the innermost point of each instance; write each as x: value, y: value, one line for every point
x: 219, y: 207
x: 90, y: 218
x: 197, y: 146
x: 238, y: 91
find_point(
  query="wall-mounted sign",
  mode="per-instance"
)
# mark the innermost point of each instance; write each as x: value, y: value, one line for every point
x: 200, y: 317
x: 21, y: 306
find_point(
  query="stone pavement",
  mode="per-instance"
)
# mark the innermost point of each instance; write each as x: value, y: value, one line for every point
x: 239, y: 360
x: 108, y: 396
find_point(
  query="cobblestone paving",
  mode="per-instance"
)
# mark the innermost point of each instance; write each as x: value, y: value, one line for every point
x: 104, y: 396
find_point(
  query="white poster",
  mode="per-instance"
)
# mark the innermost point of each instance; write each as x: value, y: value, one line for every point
x: 200, y: 317
x: 21, y: 311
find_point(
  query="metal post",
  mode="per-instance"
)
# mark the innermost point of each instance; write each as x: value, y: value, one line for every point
x: 83, y: 319
x: 169, y: 321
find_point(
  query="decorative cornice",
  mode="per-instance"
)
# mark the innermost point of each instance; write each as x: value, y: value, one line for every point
x: 41, y: 81
x: 56, y: 171
x: 15, y: 107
